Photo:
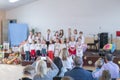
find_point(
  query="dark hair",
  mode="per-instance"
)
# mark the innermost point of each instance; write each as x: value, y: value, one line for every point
x: 109, y: 56
x: 58, y: 63
x: 61, y: 34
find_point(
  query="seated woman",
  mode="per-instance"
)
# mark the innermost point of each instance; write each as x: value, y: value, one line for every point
x: 42, y: 71
x: 59, y: 64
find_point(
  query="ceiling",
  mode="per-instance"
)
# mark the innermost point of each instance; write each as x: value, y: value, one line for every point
x: 5, y: 4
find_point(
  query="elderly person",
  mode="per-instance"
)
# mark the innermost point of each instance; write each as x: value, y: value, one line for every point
x: 42, y: 71
x: 110, y: 66
x: 78, y: 73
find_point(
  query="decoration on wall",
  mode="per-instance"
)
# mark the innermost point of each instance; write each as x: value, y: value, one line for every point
x: 90, y: 62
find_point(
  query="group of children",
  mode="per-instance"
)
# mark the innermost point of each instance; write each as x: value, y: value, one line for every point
x: 52, y: 46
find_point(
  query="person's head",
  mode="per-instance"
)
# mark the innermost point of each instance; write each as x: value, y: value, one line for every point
x: 41, y: 68
x: 62, y: 41
x: 48, y: 31
x: 75, y: 31
x: 79, y: 39
x: 72, y: 38
x: 105, y: 75
x: 58, y: 63
x: 78, y: 61
x: 67, y: 78
x: 39, y: 34
x: 64, y: 54
x: 28, y: 70
x: 57, y: 40
x: 108, y: 57
x: 67, y: 40
x: 61, y: 32
x: 31, y: 33
x: 99, y: 63
x: 33, y: 42
x: 43, y: 41
x: 80, y: 33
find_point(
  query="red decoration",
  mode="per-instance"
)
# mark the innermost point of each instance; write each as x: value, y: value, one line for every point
x: 117, y: 33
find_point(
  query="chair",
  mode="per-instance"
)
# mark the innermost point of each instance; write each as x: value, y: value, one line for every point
x: 91, y: 45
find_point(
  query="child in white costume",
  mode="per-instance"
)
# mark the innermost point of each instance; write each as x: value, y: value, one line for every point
x: 79, y: 48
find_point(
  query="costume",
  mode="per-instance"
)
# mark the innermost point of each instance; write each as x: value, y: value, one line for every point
x: 44, y: 49
x: 57, y: 49
x: 38, y: 49
x: 51, y: 51
x: 79, y: 50
x: 27, y: 51
x: 72, y: 48
x: 32, y: 52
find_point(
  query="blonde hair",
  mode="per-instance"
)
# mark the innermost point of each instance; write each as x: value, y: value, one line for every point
x: 64, y: 54
x: 41, y: 68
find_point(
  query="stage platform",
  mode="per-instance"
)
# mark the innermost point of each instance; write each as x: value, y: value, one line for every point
x: 90, y: 57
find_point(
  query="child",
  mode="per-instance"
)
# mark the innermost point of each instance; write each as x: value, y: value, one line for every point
x: 44, y: 48
x: 48, y: 37
x: 31, y: 37
x: 79, y: 48
x: 27, y: 51
x: 75, y: 34
x: 62, y: 46
x: 32, y: 51
x: 38, y: 48
x: 72, y: 46
x: 51, y: 50
x: 57, y: 48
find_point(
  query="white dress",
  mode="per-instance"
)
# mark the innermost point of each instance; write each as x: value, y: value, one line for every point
x: 79, y: 50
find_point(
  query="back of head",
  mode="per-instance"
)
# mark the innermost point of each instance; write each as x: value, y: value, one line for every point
x: 64, y: 54
x: 58, y: 63
x: 41, y: 68
x: 28, y: 70
x: 99, y: 63
x: 105, y: 75
x: 67, y: 78
x: 109, y: 57
x: 78, y: 61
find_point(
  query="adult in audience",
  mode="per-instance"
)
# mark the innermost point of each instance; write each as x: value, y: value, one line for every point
x: 78, y: 73
x: 59, y: 64
x: 105, y: 75
x: 42, y: 71
x: 109, y: 65
x: 67, y: 59
x: 28, y: 72
x: 67, y: 78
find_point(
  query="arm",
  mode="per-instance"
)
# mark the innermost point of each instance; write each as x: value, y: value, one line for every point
x: 54, y: 70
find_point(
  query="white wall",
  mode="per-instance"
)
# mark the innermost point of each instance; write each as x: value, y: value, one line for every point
x: 89, y: 16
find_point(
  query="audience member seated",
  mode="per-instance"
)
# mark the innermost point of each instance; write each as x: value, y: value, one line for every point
x: 105, y: 75
x: 28, y: 72
x: 42, y: 71
x: 67, y: 78
x: 110, y: 66
x: 59, y: 64
x: 67, y: 59
x: 78, y: 73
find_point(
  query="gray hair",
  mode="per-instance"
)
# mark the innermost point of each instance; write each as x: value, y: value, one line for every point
x: 78, y: 61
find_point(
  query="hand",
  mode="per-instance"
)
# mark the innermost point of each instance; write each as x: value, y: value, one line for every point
x: 49, y: 60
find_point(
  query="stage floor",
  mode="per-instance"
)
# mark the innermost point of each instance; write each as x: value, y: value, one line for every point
x: 91, y: 56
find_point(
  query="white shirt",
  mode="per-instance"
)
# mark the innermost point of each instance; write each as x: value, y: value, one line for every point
x: 32, y: 47
x: 51, y: 47
x: 57, y: 49
x: 72, y: 44
x: 43, y: 46
x: 48, y: 38
x: 38, y: 46
x: 68, y: 64
x: 79, y: 49
x: 30, y: 39
x: 26, y: 47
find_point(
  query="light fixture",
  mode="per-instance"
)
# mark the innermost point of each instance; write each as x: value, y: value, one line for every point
x: 13, y: 1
